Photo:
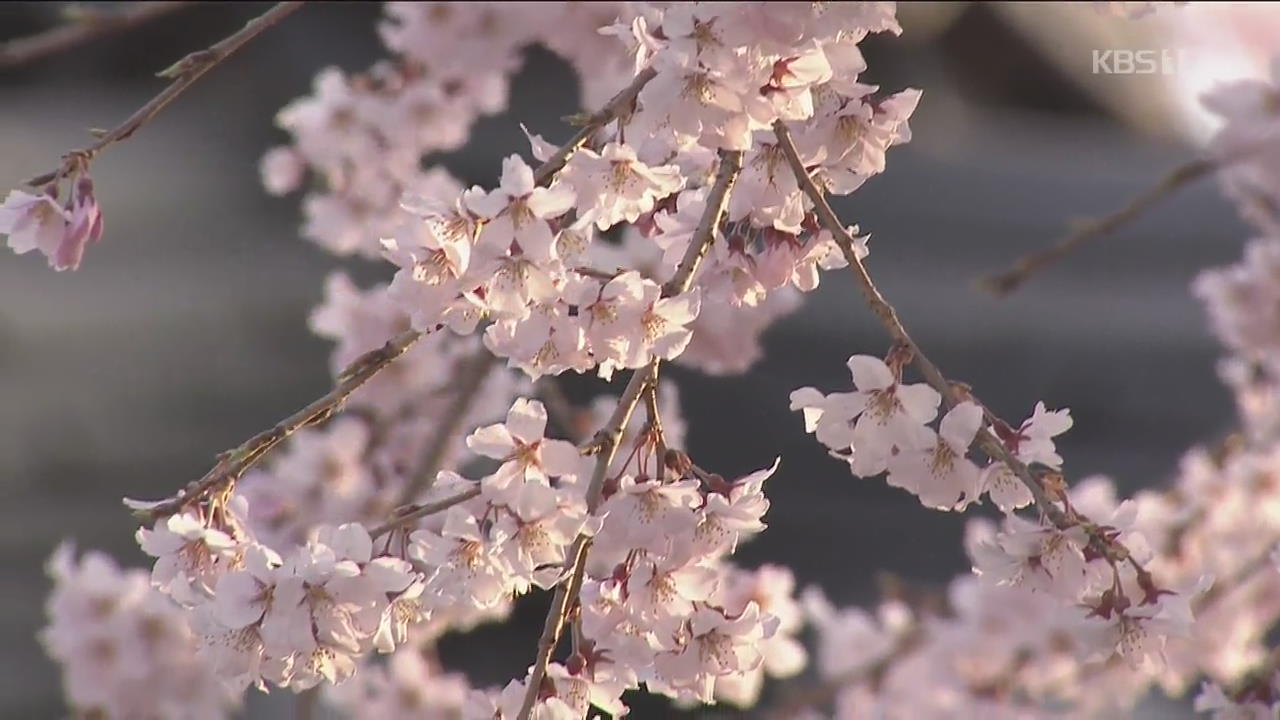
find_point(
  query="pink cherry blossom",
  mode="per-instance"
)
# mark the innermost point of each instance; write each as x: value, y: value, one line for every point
x: 520, y: 445
x: 34, y: 222
x: 517, y: 211
x: 937, y: 471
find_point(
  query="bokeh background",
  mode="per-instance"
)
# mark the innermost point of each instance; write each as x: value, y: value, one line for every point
x: 185, y: 330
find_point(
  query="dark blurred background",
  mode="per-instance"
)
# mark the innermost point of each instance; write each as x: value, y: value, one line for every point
x: 185, y: 330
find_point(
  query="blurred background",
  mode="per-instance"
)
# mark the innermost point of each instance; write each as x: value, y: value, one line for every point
x: 185, y: 330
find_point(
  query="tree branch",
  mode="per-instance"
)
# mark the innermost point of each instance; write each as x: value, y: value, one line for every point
x: 610, y: 435
x: 888, y: 317
x: 655, y: 426
x: 233, y: 463
x: 184, y: 73
x: 611, y: 110
x: 410, y: 513
x: 1005, y: 282
x: 90, y: 23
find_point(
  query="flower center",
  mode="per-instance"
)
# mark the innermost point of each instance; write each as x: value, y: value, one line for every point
x: 884, y: 404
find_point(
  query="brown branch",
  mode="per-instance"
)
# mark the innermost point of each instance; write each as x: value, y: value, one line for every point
x: 467, y: 387
x: 655, y: 427
x: 1023, y: 268
x: 608, y: 438
x: 184, y: 74
x: 952, y: 395
x: 88, y: 24
x: 410, y: 513
x: 616, y: 106
x: 888, y: 317
x: 233, y: 463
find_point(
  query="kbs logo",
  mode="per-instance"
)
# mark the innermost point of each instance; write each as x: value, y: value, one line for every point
x: 1137, y: 62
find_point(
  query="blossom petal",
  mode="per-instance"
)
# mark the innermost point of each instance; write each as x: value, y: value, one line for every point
x: 869, y: 372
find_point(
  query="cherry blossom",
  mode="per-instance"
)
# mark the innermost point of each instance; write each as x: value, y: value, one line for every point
x: 517, y: 211
x: 125, y: 648
x: 186, y: 552
x: 1029, y: 555
x: 466, y: 565
x: 614, y: 186
x: 34, y: 222
x: 882, y: 415
x: 937, y: 471
x: 520, y: 445
x: 713, y: 645
x: 438, y: 497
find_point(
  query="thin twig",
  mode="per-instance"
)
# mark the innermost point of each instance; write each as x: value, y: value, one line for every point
x: 184, y: 73
x: 888, y: 317
x: 655, y: 426
x: 233, y: 463
x: 614, y: 108
x: 1023, y: 268
x: 89, y: 23
x: 410, y: 513
x: 610, y: 435
x: 468, y: 385
x: 1108, y: 547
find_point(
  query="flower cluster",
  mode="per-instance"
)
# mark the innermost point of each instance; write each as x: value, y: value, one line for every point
x: 677, y: 226
x: 656, y: 595
x: 884, y: 425
x: 1247, y: 146
x: 298, y: 618
x: 362, y: 137
x: 525, y: 255
x: 1005, y: 642
x: 61, y: 233
x: 661, y: 607
x: 125, y: 649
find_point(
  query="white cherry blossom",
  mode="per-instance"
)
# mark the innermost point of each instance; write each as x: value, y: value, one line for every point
x: 519, y: 443
x: 517, y: 212
x: 938, y: 471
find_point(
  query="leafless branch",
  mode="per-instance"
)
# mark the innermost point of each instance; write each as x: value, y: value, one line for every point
x: 184, y: 74
x: 888, y: 317
x: 410, y: 513
x: 1005, y: 282
x: 89, y: 24
x: 655, y: 425
x: 233, y: 463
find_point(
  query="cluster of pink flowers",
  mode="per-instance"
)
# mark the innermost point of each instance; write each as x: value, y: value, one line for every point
x: 1049, y: 618
x: 1232, y: 523
x: 660, y: 606
x: 61, y: 233
x: 423, y: 511
x: 126, y: 650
